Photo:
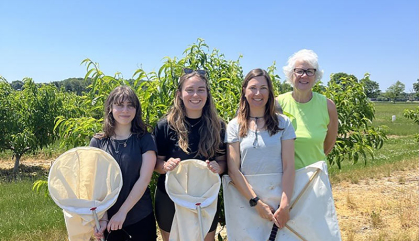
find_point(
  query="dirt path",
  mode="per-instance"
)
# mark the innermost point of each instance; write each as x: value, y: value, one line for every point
x: 372, y: 209
x: 379, y: 209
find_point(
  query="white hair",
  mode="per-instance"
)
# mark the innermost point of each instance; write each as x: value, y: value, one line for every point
x: 305, y: 55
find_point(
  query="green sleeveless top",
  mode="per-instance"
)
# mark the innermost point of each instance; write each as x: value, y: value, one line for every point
x: 310, y: 122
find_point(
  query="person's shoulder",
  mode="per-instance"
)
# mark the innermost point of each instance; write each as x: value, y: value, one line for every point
x: 162, y: 122
x: 282, y: 117
x: 222, y: 123
x: 145, y: 138
x: 283, y: 96
x: 319, y: 96
x: 97, y: 139
x: 143, y: 135
x: 233, y: 121
x: 331, y: 106
x: 283, y: 120
x: 329, y: 102
x: 99, y: 136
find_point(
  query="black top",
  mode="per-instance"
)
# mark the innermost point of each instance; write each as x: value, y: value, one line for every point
x: 167, y: 143
x: 128, y: 155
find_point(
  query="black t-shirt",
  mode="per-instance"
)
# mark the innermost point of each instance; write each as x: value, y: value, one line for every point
x: 128, y: 155
x: 168, y: 146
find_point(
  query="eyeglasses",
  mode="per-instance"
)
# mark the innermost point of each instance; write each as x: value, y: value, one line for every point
x: 199, y: 71
x: 126, y: 233
x: 300, y: 72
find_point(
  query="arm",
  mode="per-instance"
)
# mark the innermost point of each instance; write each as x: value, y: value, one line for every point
x: 149, y: 162
x: 163, y: 166
x: 282, y: 214
x: 217, y: 166
x: 159, y: 168
x: 332, y: 128
x: 241, y: 184
x: 102, y: 226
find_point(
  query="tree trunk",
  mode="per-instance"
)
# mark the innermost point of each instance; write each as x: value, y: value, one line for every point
x: 16, y: 168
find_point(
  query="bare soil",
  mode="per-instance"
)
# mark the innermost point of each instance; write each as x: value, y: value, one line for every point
x: 379, y: 209
x: 371, y: 209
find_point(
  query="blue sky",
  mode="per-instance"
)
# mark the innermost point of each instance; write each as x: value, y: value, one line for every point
x: 47, y: 40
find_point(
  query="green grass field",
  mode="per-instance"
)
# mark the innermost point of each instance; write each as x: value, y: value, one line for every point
x: 26, y: 215
x: 401, y: 126
x: 399, y: 152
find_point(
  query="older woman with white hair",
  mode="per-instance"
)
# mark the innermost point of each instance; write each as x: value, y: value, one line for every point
x: 314, y: 117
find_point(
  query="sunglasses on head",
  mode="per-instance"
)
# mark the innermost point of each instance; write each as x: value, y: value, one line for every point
x: 199, y: 71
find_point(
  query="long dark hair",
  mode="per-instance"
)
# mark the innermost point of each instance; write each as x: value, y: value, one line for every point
x: 271, y: 118
x: 210, y: 141
x: 117, y: 96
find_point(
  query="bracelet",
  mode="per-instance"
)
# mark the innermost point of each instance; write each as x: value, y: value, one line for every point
x: 104, y: 220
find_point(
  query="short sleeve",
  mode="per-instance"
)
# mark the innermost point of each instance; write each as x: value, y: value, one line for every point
x: 160, y: 136
x: 289, y: 132
x: 148, y: 143
x: 94, y: 142
x: 232, y: 133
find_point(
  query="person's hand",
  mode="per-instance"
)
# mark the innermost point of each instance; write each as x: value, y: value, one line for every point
x: 116, y: 221
x: 99, y: 233
x: 282, y: 215
x: 213, y: 166
x: 171, y: 164
x: 266, y: 212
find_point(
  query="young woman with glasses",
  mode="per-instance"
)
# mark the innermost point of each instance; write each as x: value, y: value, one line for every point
x: 260, y: 141
x: 125, y: 137
x: 314, y: 116
x: 191, y: 130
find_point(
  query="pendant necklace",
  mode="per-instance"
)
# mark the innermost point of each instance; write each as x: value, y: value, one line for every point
x: 192, y: 125
x: 118, y: 143
x: 256, y: 141
x: 256, y: 121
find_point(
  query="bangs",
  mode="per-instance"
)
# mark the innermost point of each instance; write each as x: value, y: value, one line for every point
x: 125, y: 96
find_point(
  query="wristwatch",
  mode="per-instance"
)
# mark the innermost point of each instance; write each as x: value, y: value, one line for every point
x: 254, y: 201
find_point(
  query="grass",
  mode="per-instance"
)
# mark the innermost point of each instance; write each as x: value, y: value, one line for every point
x: 396, y: 155
x: 26, y: 215
x: 400, y: 152
x: 401, y: 126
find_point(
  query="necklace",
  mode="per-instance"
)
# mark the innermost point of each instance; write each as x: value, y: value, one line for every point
x: 256, y: 120
x: 118, y: 143
x: 256, y: 141
x: 192, y: 125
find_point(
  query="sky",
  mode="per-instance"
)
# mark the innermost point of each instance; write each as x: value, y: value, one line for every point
x: 47, y: 40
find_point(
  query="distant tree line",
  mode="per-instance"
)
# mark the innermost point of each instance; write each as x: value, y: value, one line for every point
x: 372, y: 89
x: 73, y: 85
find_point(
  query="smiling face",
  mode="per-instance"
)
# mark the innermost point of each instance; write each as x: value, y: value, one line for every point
x: 257, y: 92
x: 194, y: 96
x: 303, y: 82
x: 123, y: 113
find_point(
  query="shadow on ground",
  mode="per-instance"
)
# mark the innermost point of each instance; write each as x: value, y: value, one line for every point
x: 25, y: 172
